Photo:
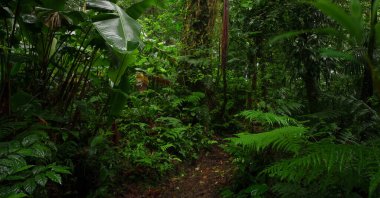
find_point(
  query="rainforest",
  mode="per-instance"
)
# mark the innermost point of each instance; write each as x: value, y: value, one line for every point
x: 189, y: 98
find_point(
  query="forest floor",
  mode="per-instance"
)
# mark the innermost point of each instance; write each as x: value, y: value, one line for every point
x: 212, y: 171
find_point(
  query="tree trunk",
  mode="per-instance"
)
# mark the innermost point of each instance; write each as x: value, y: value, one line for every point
x: 198, y: 28
x: 252, y: 57
x: 367, y: 83
x: 312, y: 89
x: 224, y: 56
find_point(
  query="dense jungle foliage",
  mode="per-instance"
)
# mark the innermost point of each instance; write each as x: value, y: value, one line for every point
x: 99, y: 95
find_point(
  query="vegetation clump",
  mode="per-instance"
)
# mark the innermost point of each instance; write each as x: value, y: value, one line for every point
x: 249, y: 98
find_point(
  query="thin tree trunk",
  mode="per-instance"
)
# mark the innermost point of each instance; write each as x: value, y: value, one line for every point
x: 264, y: 81
x: 367, y: 83
x: 312, y: 89
x: 253, y: 75
x: 224, y: 56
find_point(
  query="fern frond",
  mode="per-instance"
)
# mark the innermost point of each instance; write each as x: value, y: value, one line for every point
x: 8, y: 127
x: 166, y: 146
x: 178, y: 102
x: 195, y: 97
x: 170, y: 121
x: 267, y: 118
x: 289, y: 190
x: 326, y: 115
x: 287, y: 139
x: 175, y: 133
x: 374, y: 183
x: 287, y: 107
x: 321, y: 158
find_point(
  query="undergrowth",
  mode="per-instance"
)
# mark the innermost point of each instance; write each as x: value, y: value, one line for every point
x: 292, y: 160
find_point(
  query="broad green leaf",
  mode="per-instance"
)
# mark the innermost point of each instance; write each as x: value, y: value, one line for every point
x: 13, y: 163
x: 137, y: 9
x: 285, y: 36
x: 122, y: 33
x: 14, y: 146
x: 60, y: 169
x: 27, y: 152
x: 53, y: 47
x: 119, y: 97
x: 6, y: 162
x: 41, y: 179
x: 31, y: 139
x: 356, y: 9
x: 4, y: 172
x: 331, y: 53
x: 12, y: 191
x: 101, y: 4
x: 23, y: 168
x: 115, y: 73
x: 5, y: 12
x: 29, y: 185
x: 39, y: 169
x: 291, y: 34
x: 54, y: 177
x: 340, y: 16
x: 14, y: 177
x: 97, y: 140
x: 41, y: 150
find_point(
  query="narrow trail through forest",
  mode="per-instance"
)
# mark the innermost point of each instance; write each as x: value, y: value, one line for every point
x: 211, y: 172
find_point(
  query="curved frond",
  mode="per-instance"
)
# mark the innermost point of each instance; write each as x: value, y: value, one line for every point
x: 321, y: 159
x: 267, y: 118
x: 287, y: 139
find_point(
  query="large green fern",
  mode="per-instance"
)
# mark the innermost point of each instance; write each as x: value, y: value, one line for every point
x: 194, y: 98
x: 288, y: 139
x: 325, y: 161
x: 267, y: 118
x: 331, y: 166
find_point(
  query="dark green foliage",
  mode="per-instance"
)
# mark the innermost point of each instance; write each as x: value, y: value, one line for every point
x: 330, y: 166
x: 26, y: 162
x: 161, y: 131
x: 270, y: 119
x: 96, y: 95
x: 287, y: 139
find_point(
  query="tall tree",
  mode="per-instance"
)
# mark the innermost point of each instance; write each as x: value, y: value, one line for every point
x: 224, y: 54
x: 367, y: 84
x: 199, y: 24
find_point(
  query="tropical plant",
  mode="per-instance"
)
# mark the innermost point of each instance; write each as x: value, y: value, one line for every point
x: 309, y: 162
x: 26, y: 162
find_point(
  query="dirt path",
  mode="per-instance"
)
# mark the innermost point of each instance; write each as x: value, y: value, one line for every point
x: 211, y: 172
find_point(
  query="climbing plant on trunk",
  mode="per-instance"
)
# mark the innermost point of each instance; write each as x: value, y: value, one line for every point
x: 199, y: 21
